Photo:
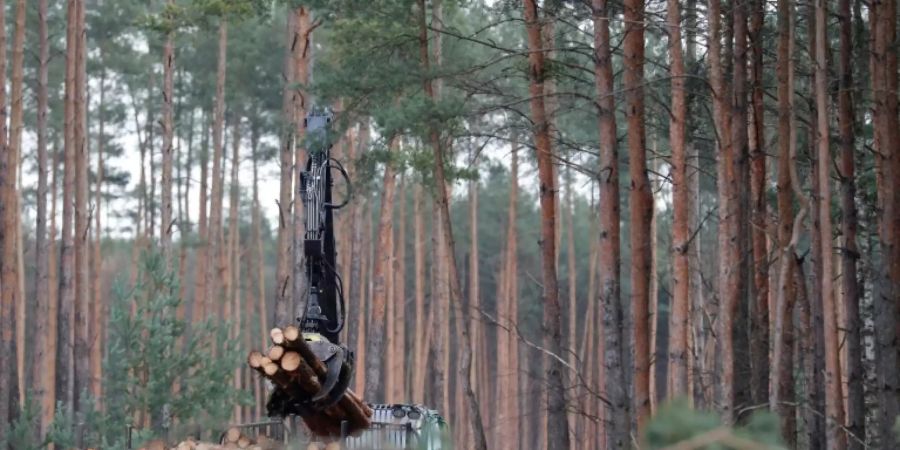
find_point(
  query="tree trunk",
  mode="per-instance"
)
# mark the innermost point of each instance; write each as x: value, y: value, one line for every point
x: 781, y: 393
x: 883, y: 64
x: 833, y: 397
x: 200, y: 311
x: 420, y: 345
x: 511, y: 289
x: 679, y: 325
x: 759, y: 344
x: 729, y: 254
x: 613, y: 323
x: 572, y: 309
x: 168, y: 130
x: 65, y: 368
x: 302, y: 58
x: 232, y: 280
x: 44, y: 367
x: 285, y: 196
x: 399, y: 284
x: 850, y: 252
x: 443, y: 205
x: 97, y: 307
x: 557, y: 429
x: 215, y: 247
x: 7, y: 242
x: 641, y: 205
x: 82, y: 223
x: 381, y: 271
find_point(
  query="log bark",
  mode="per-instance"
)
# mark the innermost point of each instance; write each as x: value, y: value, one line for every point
x: 285, y: 195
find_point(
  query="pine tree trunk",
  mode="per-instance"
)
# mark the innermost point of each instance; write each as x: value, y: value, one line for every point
x: 7, y: 293
x: 65, y: 368
x: 615, y: 336
x: 97, y: 307
x: 302, y: 59
x: 557, y: 428
x: 44, y: 370
x: 679, y: 325
x: 215, y: 247
x: 641, y: 205
x: 200, y: 311
x: 781, y: 394
x: 759, y: 343
x: 285, y: 196
x: 399, y: 285
x: 850, y: 251
x: 381, y: 271
x: 834, y: 408
x: 166, y: 225
x: 573, y: 379
x: 729, y: 249
x: 420, y: 345
x: 883, y: 29
x: 357, y: 320
x: 511, y: 280
x: 82, y: 223
x: 442, y: 203
x: 234, y: 251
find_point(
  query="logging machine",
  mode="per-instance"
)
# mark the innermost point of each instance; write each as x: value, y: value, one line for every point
x: 322, y: 315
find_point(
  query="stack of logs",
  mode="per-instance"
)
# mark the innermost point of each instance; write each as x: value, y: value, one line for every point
x: 291, y: 365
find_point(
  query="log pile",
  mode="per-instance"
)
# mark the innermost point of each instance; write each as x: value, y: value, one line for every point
x: 296, y: 372
x: 232, y: 439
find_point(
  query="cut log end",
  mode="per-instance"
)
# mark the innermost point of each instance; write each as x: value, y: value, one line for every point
x: 276, y: 352
x: 233, y: 434
x: 291, y: 361
x: 255, y: 359
x: 291, y: 333
x: 270, y: 369
x: 277, y: 335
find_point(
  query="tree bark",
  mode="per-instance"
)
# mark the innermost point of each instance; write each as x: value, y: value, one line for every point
x: 441, y: 198
x: 759, y: 343
x: 641, y: 205
x: 557, y: 428
x: 216, y: 250
x: 613, y: 321
x: 97, y: 306
x: 399, y: 284
x: 834, y: 408
x: 850, y: 252
x: 419, y: 344
x: 45, y: 333
x: 883, y: 29
x: 166, y: 224
x: 200, y: 311
x: 679, y: 325
x: 82, y: 222
x: 7, y: 239
x: 381, y: 271
x: 781, y: 393
x: 302, y: 58
x: 285, y: 196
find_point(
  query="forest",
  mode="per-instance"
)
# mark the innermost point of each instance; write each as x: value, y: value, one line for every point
x: 591, y: 224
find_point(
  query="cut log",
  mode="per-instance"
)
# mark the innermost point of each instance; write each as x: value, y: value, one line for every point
x: 298, y: 373
x: 276, y: 352
x: 277, y: 335
x: 270, y: 369
x: 291, y: 333
x: 243, y: 442
x: 232, y: 434
x: 290, y: 361
x: 254, y: 359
